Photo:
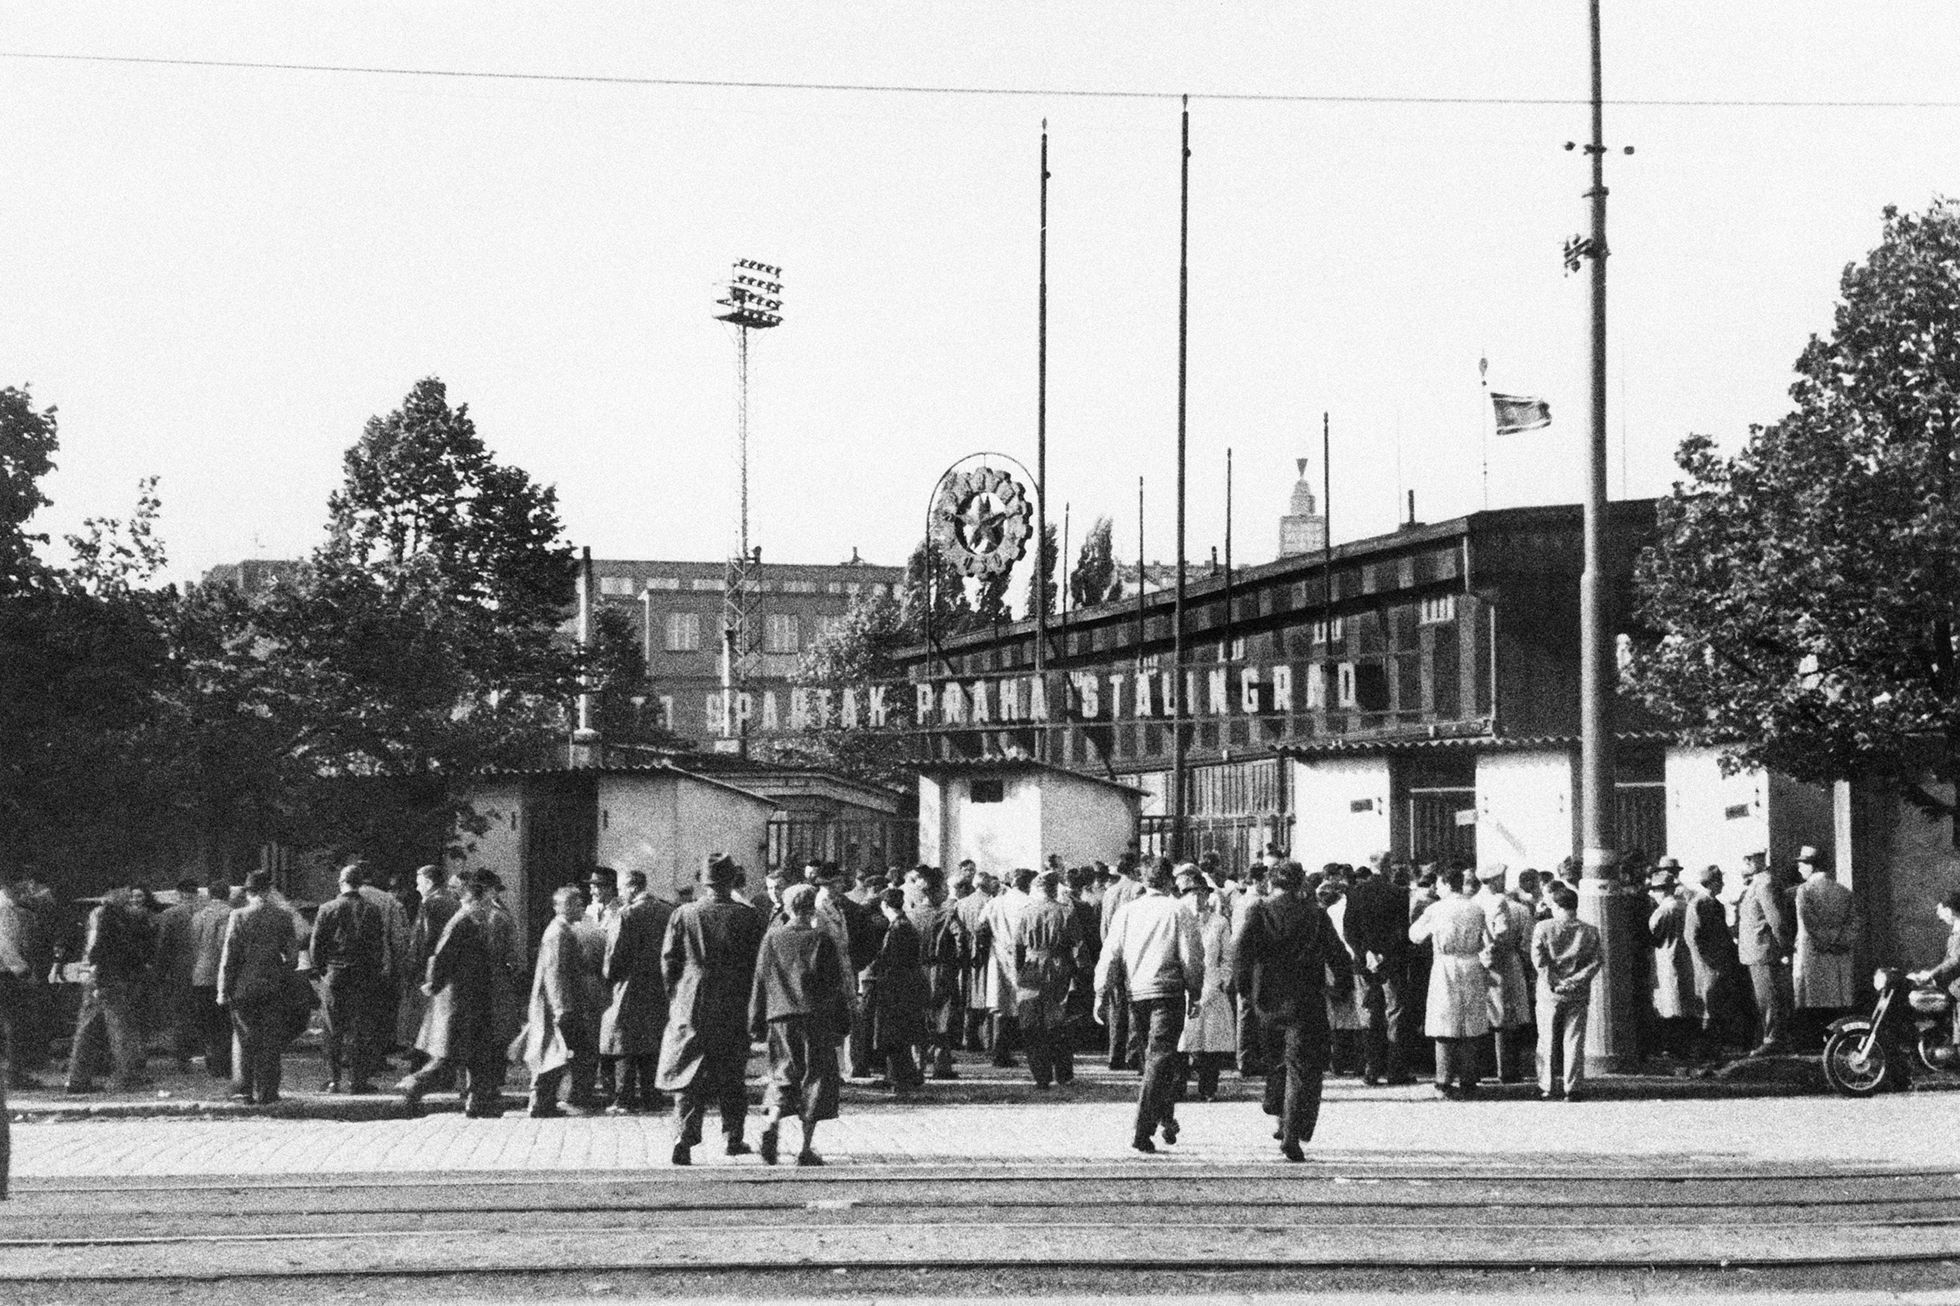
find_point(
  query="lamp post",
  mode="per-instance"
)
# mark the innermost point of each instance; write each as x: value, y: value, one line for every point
x: 750, y: 301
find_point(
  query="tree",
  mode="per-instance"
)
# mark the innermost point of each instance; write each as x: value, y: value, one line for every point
x: 27, y: 444
x: 1804, y: 590
x: 422, y: 643
x: 858, y: 651
x: 1094, y: 579
x: 1042, y: 594
x: 934, y: 603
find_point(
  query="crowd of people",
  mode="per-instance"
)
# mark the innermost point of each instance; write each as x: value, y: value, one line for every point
x: 1181, y: 973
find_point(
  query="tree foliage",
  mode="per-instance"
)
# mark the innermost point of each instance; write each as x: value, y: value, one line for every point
x: 1094, y: 579
x: 1043, y: 593
x: 28, y: 440
x: 1804, y: 589
x: 861, y: 649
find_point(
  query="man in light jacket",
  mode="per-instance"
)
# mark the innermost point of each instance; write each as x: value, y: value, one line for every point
x: 1827, y: 927
x: 1153, y: 953
x: 1566, y: 952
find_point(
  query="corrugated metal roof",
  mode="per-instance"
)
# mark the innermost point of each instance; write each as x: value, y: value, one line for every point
x: 987, y: 765
x: 615, y: 768
x: 1480, y: 743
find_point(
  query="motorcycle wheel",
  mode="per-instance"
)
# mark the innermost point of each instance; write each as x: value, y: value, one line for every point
x: 1853, y: 1075
x: 1931, y: 1042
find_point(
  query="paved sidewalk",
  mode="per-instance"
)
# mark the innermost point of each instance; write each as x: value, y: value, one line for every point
x: 1371, y: 1127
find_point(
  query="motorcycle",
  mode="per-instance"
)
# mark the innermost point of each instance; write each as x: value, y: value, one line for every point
x: 1909, y: 1030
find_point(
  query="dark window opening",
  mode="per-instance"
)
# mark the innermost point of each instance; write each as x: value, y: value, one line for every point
x: 988, y: 791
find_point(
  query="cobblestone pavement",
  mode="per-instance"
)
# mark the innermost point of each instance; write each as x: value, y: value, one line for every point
x: 1088, y: 1124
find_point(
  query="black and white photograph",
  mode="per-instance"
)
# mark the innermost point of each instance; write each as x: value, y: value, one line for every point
x: 1190, y: 653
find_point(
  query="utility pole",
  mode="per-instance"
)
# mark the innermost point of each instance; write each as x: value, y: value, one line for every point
x: 1042, y: 560
x: 1179, y: 706
x: 1603, y: 902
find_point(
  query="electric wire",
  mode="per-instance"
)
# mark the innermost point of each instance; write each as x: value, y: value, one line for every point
x: 899, y: 88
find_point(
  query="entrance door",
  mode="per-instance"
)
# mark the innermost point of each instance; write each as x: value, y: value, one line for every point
x: 1442, y: 824
x: 1640, y: 818
x: 561, y: 841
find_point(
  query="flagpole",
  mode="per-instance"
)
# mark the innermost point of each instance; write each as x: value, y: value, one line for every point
x: 1484, y: 420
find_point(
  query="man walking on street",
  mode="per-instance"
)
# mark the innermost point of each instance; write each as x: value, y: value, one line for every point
x: 459, y: 1031
x: 1154, y: 955
x: 255, y: 978
x: 118, y: 952
x: 1566, y: 952
x: 558, y: 1035
x: 1765, y: 933
x: 350, y: 946
x: 1285, y: 953
x: 708, y: 962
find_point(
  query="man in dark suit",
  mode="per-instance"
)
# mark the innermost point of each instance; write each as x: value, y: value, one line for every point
x: 350, y: 946
x: 1766, y: 931
x: 1377, y: 932
x: 1286, y: 952
x: 1725, y: 1009
x: 255, y: 982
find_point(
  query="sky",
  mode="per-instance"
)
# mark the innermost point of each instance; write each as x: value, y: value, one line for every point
x: 219, y: 274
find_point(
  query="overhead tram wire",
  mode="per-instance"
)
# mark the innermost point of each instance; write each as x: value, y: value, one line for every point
x: 875, y: 88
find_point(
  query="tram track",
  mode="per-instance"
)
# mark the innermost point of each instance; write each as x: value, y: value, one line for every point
x: 1118, y: 1219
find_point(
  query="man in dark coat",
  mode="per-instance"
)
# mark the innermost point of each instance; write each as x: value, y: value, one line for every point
x: 1047, y: 948
x: 1377, y: 931
x: 942, y: 955
x: 350, y: 947
x: 558, y: 1036
x: 434, y: 907
x: 630, y: 1031
x: 172, y: 973
x: 895, y: 994
x: 1286, y: 953
x: 799, y: 1008
x: 207, y: 950
x: 120, y: 945
x: 1724, y: 993
x: 708, y: 962
x: 255, y: 983
x: 459, y: 1027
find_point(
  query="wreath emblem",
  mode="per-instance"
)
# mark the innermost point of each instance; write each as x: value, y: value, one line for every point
x: 982, y: 521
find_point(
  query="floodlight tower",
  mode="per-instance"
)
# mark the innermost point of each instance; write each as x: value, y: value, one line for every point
x: 751, y: 301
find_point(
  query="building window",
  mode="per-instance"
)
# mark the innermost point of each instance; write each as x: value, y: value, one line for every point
x: 782, y: 634
x: 834, y: 587
x: 852, y: 587
x: 1344, y: 685
x: 1329, y: 631
x: 987, y: 791
x: 1234, y: 650
x: 683, y: 632
x: 799, y: 587
x: 1439, y: 609
x: 664, y: 583
x: 878, y: 590
x: 616, y: 586
x: 704, y: 583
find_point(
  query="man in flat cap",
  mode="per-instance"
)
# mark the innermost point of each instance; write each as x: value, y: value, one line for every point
x: 1676, y: 1002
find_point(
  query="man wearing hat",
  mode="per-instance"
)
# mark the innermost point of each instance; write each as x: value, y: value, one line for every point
x: 459, y: 1031
x: 1046, y: 948
x: 1765, y: 933
x: 709, y: 964
x: 1507, y: 958
x: 1726, y: 1017
x: 1677, y: 1003
x: 1827, y: 927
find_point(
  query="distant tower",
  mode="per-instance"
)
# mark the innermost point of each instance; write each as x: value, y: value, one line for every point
x: 1304, y: 528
